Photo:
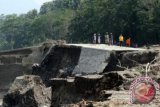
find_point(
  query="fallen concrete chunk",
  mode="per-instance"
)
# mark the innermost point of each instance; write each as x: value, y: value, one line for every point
x: 92, y: 61
x: 59, y: 82
x: 93, y: 84
x: 64, y: 92
x: 28, y: 91
x: 63, y: 61
x: 87, y: 84
x: 110, y: 81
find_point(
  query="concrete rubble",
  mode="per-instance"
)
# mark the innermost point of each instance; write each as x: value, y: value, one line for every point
x: 74, y: 76
x: 27, y: 91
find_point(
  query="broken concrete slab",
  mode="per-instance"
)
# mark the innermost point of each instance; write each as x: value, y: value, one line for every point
x: 59, y: 62
x: 119, y: 60
x: 70, y: 91
x: 67, y: 91
x: 64, y: 93
x: 27, y: 91
x: 87, y: 84
x: 107, y: 47
x: 58, y: 82
x: 13, y: 62
x: 63, y: 61
x: 92, y: 61
x: 110, y: 81
x: 18, y: 62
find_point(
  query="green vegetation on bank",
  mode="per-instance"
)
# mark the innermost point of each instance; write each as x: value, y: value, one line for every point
x: 77, y: 20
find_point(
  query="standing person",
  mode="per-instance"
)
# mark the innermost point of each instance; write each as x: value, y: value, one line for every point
x: 94, y: 38
x: 99, y: 38
x: 107, y: 38
x: 128, y: 42
x: 111, y: 39
x: 121, y: 39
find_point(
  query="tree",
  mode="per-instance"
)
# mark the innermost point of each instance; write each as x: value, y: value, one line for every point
x: 32, y: 14
x: 10, y: 29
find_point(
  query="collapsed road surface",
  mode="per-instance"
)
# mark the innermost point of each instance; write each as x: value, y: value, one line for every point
x: 107, y: 47
x: 86, y: 57
x: 65, y: 60
x: 72, y: 60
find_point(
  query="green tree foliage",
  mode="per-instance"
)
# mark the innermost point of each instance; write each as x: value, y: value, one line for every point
x: 10, y: 29
x: 138, y: 19
x: 47, y: 7
x: 77, y: 20
x: 53, y: 25
x: 17, y: 31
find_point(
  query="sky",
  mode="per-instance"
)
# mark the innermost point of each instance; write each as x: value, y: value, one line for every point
x: 19, y: 6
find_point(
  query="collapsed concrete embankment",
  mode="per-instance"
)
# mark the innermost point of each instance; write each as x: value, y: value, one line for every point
x: 64, y: 60
x: 18, y: 62
x: 29, y: 91
x: 74, y: 71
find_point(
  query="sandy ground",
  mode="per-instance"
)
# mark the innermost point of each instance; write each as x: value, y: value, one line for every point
x: 107, y: 47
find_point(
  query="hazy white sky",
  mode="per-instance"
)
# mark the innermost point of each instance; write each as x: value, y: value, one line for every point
x: 19, y: 6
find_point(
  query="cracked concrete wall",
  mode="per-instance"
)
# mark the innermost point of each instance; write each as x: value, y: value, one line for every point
x: 63, y: 61
x: 92, y: 61
x: 18, y: 62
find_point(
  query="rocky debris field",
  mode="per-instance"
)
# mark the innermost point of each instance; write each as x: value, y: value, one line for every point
x: 108, y: 88
x: 27, y: 91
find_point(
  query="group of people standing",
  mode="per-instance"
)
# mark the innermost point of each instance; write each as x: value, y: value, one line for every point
x: 109, y: 39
